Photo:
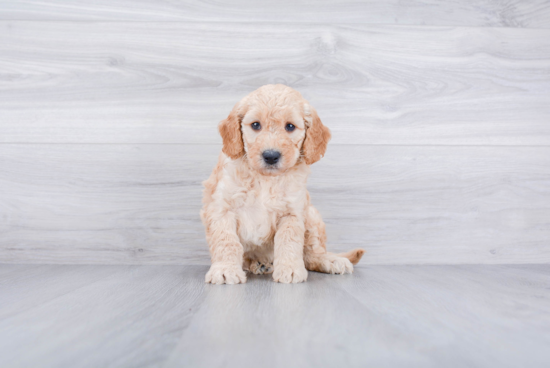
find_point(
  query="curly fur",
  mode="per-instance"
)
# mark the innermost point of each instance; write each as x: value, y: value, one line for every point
x: 259, y: 217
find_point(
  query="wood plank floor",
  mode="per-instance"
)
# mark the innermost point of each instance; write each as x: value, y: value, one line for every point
x: 491, y: 13
x: 382, y: 316
x: 439, y: 112
x: 439, y: 167
x: 135, y: 204
x: 172, y: 82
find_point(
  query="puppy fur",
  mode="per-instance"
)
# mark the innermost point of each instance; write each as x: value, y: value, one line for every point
x: 259, y: 217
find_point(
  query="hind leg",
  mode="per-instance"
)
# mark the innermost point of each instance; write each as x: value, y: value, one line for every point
x: 259, y: 261
x: 329, y: 263
x: 316, y: 257
x: 260, y: 268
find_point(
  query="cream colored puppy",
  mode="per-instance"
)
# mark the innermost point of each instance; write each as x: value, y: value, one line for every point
x: 256, y: 208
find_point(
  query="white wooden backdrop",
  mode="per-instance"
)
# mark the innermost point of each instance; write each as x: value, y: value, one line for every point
x: 440, y: 113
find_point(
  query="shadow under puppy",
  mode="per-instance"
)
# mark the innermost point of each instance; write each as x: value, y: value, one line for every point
x: 256, y: 208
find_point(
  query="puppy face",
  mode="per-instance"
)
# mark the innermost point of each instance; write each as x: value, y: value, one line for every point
x: 273, y: 133
x: 274, y: 128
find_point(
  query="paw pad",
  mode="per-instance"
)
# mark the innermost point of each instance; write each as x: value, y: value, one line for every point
x: 260, y: 268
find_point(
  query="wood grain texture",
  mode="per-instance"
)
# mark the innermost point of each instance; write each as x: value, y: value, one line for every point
x: 140, y: 203
x: 492, y: 13
x: 382, y: 316
x: 116, y: 317
x: 477, y: 308
x: 163, y: 82
x: 25, y: 287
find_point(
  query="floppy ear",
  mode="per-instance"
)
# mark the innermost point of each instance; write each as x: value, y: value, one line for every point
x: 317, y: 136
x: 230, y: 130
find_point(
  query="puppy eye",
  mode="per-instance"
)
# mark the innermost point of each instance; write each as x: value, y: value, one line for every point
x: 256, y: 126
x: 290, y: 127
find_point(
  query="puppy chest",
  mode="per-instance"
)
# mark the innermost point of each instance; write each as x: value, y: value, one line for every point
x: 257, y: 219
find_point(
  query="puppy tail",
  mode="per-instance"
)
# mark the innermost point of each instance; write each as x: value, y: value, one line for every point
x: 353, y: 255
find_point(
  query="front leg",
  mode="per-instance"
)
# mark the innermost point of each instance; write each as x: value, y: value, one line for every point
x: 226, y: 251
x: 289, y: 249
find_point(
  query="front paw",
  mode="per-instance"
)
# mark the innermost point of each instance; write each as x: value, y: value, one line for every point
x: 225, y: 273
x: 290, y: 272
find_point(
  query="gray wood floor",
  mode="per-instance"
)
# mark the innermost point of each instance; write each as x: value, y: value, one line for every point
x: 439, y: 167
x: 488, y: 13
x: 382, y: 316
x: 112, y: 204
x: 172, y: 82
x: 439, y: 111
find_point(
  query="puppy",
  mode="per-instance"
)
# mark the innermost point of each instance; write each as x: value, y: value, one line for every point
x: 256, y: 209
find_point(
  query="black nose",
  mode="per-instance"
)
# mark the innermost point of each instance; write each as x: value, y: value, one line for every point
x: 271, y: 157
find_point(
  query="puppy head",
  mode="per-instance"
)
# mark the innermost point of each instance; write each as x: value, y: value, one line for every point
x: 275, y: 128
